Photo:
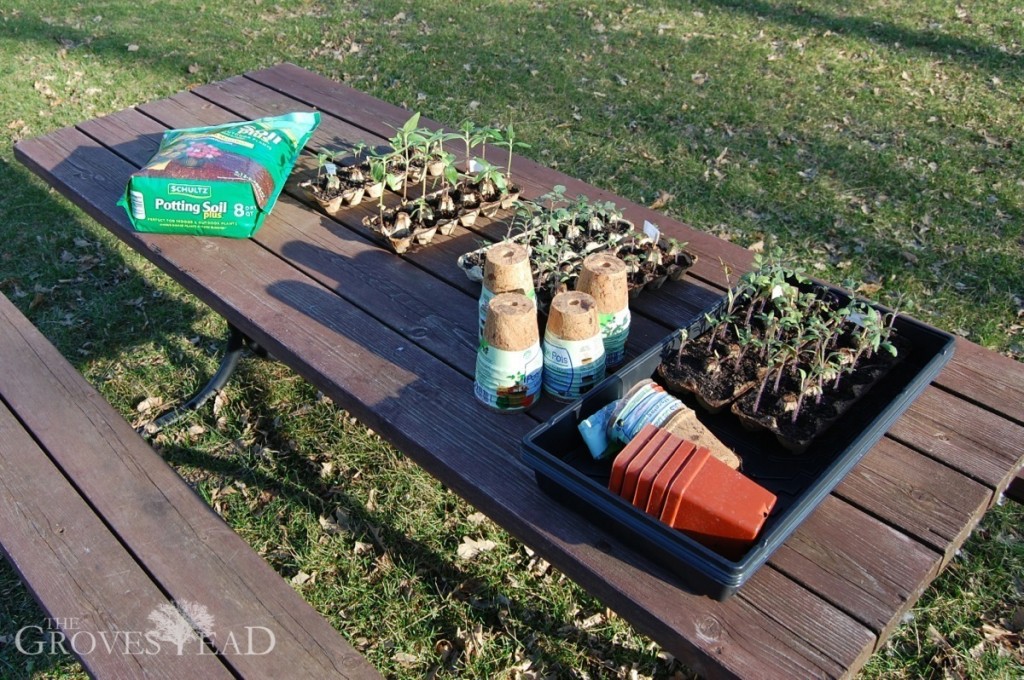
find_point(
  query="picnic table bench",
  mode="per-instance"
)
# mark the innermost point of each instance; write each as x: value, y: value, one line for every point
x: 107, y: 535
x: 392, y: 339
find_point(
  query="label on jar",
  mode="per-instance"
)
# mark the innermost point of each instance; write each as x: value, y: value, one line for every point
x: 615, y: 332
x: 508, y: 381
x: 572, y: 367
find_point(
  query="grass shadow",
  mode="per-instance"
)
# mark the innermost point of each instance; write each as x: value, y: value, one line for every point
x: 932, y: 42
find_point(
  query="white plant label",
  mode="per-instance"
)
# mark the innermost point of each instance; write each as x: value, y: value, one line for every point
x: 652, y: 231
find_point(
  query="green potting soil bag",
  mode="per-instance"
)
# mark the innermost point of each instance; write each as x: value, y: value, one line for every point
x: 217, y: 181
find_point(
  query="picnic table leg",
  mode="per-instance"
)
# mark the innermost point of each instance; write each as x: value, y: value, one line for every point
x: 236, y: 344
x: 1015, y: 492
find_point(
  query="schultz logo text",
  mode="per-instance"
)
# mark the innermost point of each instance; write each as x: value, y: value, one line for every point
x: 195, y: 190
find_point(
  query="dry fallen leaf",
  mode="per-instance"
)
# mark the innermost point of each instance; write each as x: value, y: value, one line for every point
x: 756, y: 246
x: 133, y: 48
x: 995, y: 633
x: 303, y: 578
x: 218, y: 403
x: 477, y: 518
x: 663, y: 199
x: 330, y: 526
x: 149, y: 403
x: 470, y: 548
x: 471, y: 642
x: 405, y: 658
x: 193, y: 68
x: 869, y: 288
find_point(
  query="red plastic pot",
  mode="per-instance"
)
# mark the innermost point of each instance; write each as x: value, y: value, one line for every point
x: 690, y: 490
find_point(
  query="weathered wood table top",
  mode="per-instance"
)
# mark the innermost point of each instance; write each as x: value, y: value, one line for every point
x: 392, y: 339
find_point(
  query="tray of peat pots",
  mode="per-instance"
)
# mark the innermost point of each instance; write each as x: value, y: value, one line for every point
x: 559, y: 234
x: 417, y: 220
x: 335, y: 186
x: 557, y: 229
x: 799, y: 467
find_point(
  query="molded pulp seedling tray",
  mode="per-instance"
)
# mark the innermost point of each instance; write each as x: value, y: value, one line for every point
x: 565, y: 469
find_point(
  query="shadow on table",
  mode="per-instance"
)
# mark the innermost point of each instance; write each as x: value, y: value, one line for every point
x: 440, y: 573
x: 428, y: 411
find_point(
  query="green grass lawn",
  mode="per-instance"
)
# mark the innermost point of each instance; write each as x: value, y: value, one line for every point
x: 876, y: 142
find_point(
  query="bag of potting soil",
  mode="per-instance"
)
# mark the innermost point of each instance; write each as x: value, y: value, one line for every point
x: 217, y: 181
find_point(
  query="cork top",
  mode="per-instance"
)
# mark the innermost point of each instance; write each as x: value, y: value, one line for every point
x: 573, y: 316
x: 604, y: 277
x: 507, y: 268
x: 511, y: 322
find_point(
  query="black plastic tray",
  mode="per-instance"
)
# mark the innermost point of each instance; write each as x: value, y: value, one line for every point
x: 565, y: 469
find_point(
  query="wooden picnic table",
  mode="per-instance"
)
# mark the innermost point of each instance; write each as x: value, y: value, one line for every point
x: 392, y: 339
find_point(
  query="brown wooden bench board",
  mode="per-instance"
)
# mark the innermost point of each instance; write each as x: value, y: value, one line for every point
x: 463, y: 455
x: 876, y: 595
x: 924, y: 498
x: 933, y: 427
x: 831, y: 591
x: 49, y: 532
x: 186, y: 548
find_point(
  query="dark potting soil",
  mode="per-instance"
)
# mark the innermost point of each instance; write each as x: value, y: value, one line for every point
x: 690, y: 368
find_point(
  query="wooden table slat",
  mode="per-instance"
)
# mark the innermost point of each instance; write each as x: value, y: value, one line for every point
x: 846, y: 555
x: 924, y: 498
x: 983, y: 452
